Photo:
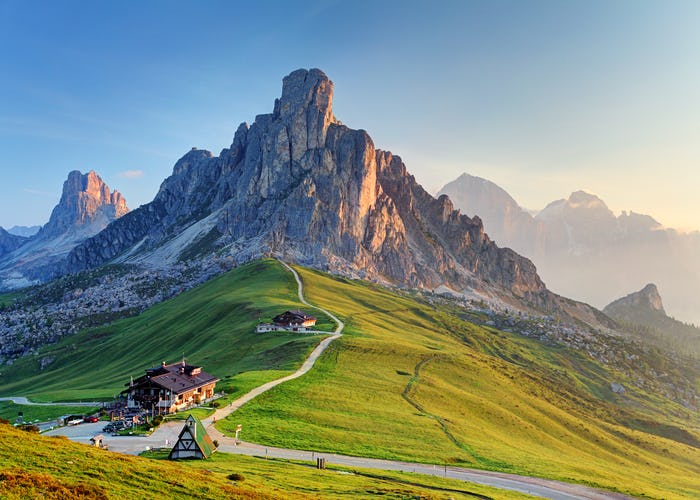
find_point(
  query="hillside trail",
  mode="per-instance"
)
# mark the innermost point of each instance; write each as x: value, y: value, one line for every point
x: 305, y: 367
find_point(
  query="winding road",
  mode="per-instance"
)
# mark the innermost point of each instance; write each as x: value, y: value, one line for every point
x: 305, y: 367
x: 168, y: 432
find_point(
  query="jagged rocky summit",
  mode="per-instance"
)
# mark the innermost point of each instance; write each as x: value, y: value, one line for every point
x: 86, y: 202
x: 86, y: 207
x: 299, y: 184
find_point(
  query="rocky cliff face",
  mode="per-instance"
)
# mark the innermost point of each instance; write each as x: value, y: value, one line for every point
x: 86, y: 201
x: 86, y: 207
x: 647, y: 299
x: 299, y: 184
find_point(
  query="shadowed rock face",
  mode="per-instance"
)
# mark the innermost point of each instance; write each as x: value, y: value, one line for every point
x: 10, y: 242
x: 298, y: 183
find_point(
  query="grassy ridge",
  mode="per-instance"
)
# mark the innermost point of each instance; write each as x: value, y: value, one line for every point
x: 411, y: 382
x: 33, y: 466
x: 213, y: 325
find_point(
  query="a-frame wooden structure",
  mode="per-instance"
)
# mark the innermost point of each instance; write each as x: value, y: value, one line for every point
x: 193, y: 442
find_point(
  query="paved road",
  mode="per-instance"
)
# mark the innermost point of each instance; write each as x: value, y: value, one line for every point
x: 534, y: 486
x: 167, y: 433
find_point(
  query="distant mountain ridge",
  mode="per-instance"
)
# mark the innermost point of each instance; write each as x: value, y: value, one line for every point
x: 87, y: 206
x: 25, y: 231
x: 582, y: 250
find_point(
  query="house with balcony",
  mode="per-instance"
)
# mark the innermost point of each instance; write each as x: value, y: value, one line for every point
x: 169, y: 388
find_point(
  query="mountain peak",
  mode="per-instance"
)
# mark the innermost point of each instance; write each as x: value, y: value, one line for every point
x: 650, y: 295
x: 307, y: 96
x: 582, y: 199
x: 85, y: 199
x: 647, y: 299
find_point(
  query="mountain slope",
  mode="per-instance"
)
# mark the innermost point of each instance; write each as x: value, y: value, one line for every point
x: 299, y: 184
x: 407, y: 372
x: 643, y: 314
x: 86, y: 207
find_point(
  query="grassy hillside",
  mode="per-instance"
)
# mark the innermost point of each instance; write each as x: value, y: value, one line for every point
x: 407, y: 380
x: 412, y: 382
x: 33, y: 466
x: 213, y: 325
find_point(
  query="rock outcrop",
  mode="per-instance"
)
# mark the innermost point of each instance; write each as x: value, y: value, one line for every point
x: 86, y: 207
x: 647, y: 299
x: 86, y: 201
x: 642, y: 313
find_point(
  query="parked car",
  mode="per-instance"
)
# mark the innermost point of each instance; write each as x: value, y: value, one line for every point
x: 91, y: 419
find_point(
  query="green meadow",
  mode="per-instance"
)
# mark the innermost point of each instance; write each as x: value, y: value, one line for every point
x: 213, y: 326
x: 413, y: 382
x: 408, y: 380
x: 34, y: 466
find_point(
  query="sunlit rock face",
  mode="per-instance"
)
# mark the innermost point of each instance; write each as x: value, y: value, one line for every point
x: 86, y: 207
x: 86, y: 201
x: 297, y: 183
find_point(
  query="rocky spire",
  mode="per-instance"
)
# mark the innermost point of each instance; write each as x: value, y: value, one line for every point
x: 306, y: 105
x: 86, y: 199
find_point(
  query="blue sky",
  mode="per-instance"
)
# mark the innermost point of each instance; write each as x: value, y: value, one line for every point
x: 542, y: 97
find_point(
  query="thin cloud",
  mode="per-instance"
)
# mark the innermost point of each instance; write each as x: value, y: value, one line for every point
x: 130, y: 174
x: 38, y: 192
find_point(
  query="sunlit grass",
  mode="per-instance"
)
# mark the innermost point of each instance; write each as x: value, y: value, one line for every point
x: 34, y: 466
x: 407, y: 380
x: 213, y: 326
x: 481, y: 398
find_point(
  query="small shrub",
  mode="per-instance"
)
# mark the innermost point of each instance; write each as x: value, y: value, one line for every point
x: 236, y: 476
x: 29, y: 428
x: 216, y: 443
x: 215, y: 404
